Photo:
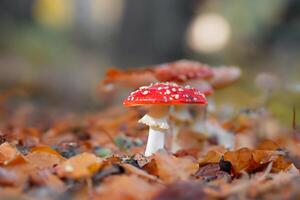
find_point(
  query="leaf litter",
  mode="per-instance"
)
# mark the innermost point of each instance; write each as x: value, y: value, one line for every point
x: 99, y: 155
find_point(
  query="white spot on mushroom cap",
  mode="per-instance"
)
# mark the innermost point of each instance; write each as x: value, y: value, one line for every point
x: 145, y: 92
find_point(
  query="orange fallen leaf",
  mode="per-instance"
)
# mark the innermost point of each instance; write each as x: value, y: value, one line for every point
x: 264, y: 156
x: 281, y: 164
x: 44, y: 157
x: 82, y: 165
x: 9, y: 154
x: 241, y: 159
x: 170, y: 168
x: 213, y: 156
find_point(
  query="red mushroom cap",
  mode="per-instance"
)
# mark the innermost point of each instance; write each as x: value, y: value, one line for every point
x: 182, y: 70
x: 165, y: 94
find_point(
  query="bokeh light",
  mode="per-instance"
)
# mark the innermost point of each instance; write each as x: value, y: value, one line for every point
x: 208, y: 33
x: 52, y: 13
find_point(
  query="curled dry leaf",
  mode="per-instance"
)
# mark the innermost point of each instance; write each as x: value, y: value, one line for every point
x: 248, y: 160
x: 81, y: 165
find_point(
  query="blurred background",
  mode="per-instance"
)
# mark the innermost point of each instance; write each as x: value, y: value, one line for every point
x: 59, y: 49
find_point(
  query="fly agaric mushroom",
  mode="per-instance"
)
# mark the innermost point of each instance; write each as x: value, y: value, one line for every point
x: 178, y: 71
x: 181, y: 71
x: 160, y: 97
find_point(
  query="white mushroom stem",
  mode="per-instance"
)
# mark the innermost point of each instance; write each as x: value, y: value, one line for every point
x: 156, y: 140
x: 157, y: 120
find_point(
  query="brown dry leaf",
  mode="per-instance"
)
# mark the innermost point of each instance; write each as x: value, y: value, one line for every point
x: 281, y: 164
x: 212, y: 172
x: 81, y: 165
x: 264, y: 156
x: 241, y: 159
x: 44, y: 157
x: 193, y: 152
x: 126, y: 188
x: 9, y: 154
x: 169, y: 168
x: 213, y: 156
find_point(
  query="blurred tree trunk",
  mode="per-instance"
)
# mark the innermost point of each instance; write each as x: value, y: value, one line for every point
x: 153, y: 31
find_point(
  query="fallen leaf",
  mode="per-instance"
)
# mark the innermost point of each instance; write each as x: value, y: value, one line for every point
x: 281, y: 164
x: 9, y: 154
x: 81, y: 165
x: 264, y: 156
x: 212, y: 156
x: 170, y: 168
x: 44, y: 157
x: 212, y: 172
x: 241, y: 159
